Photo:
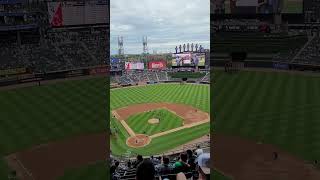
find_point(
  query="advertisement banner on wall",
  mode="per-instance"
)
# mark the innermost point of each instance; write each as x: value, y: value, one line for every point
x: 133, y: 65
x: 157, y: 65
x: 99, y: 70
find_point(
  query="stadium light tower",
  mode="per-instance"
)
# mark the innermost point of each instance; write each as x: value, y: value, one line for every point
x: 145, y: 45
x: 120, y: 46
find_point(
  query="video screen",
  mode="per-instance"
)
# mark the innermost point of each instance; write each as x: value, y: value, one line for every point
x: 257, y: 6
x: 188, y: 59
x: 200, y: 59
x: 181, y: 59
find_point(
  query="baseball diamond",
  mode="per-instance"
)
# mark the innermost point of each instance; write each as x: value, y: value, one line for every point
x: 179, y: 109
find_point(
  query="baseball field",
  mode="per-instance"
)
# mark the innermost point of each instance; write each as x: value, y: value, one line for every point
x: 152, y: 119
x: 44, y: 129
x: 261, y: 112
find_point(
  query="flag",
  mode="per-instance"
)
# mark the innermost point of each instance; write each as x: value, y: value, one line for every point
x: 57, y: 19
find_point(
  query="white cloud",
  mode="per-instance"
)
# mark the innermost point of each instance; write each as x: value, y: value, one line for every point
x: 162, y: 21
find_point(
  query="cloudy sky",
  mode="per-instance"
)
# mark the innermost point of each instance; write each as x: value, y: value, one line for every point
x: 166, y: 23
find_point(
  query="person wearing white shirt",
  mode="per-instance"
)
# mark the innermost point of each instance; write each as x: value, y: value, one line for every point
x: 199, y: 151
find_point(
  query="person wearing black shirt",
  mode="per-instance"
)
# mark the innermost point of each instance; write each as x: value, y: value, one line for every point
x: 165, y: 168
x: 138, y: 161
x: 145, y: 170
x: 191, y: 160
x: 113, y: 169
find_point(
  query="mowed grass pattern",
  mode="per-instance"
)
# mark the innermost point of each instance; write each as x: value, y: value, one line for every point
x: 97, y: 171
x: 36, y: 115
x: 272, y: 107
x: 140, y: 125
x: 197, y: 96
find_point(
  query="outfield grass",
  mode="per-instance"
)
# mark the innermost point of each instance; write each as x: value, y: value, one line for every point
x: 97, y: 171
x: 36, y: 115
x: 195, y: 95
x: 277, y: 108
x: 139, y: 122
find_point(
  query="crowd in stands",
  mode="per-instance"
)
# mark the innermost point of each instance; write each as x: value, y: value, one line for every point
x: 134, y: 77
x: 286, y: 56
x: 186, y: 165
x: 311, y: 53
x: 58, y: 51
x: 245, y: 22
x: 206, y: 78
x: 41, y: 48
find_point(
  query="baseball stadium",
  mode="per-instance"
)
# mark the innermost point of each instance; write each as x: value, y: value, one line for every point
x: 265, y: 81
x: 151, y: 105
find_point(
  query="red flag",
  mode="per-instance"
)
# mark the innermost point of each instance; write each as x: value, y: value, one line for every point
x: 57, y: 19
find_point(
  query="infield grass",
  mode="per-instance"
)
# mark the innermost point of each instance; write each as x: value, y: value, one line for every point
x: 140, y: 125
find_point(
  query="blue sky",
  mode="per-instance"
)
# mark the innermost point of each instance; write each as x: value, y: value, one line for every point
x: 167, y: 23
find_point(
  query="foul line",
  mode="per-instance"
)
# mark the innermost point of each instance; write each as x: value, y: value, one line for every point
x: 23, y: 167
x: 179, y: 128
x: 127, y: 127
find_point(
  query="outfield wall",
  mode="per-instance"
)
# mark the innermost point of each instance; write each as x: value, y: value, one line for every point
x: 36, y: 77
x: 271, y: 65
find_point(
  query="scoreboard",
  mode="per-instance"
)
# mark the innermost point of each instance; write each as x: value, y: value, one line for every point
x: 69, y: 13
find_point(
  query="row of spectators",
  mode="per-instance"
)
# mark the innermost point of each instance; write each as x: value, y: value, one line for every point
x: 38, y: 47
x: 187, y: 165
x: 59, y: 50
x: 311, y: 53
x: 143, y: 76
x: 133, y: 77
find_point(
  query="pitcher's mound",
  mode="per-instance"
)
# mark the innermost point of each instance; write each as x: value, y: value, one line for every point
x: 140, y: 140
x: 153, y: 121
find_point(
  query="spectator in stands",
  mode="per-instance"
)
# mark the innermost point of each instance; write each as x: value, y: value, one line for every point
x: 154, y: 160
x: 191, y: 160
x: 203, y: 162
x: 165, y: 167
x: 138, y: 161
x: 129, y: 164
x: 113, y: 169
x: 145, y: 170
x: 199, y: 151
x: 181, y: 176
x: 182, y: 165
